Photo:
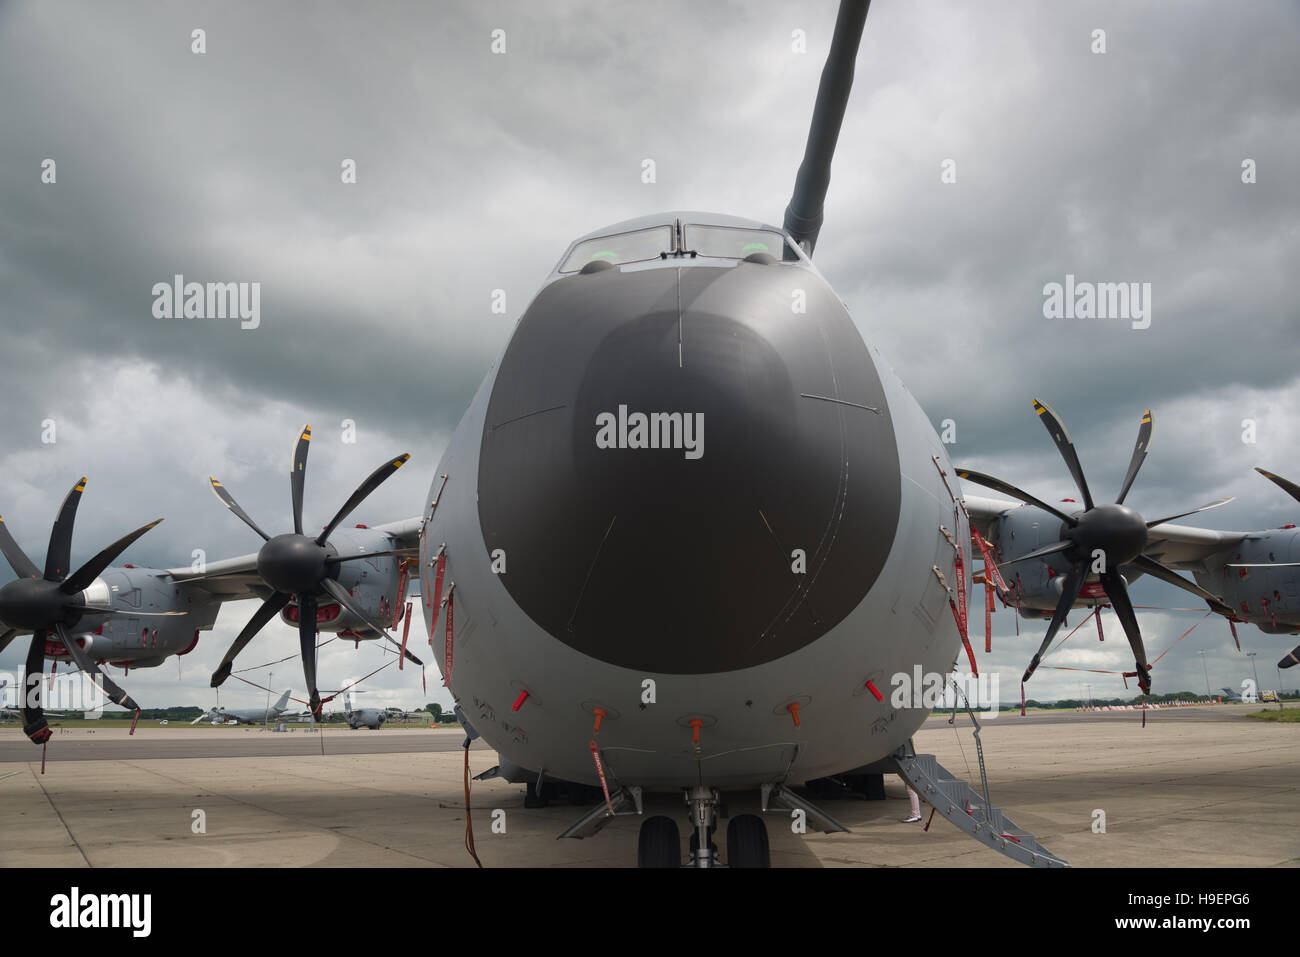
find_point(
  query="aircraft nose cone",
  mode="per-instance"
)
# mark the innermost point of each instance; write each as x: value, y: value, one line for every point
x: 686, y: 474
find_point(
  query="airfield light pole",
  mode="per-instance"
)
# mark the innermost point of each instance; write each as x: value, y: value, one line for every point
x: 1207, y: 673
x: 1254, y: 670
x: 266, y: 715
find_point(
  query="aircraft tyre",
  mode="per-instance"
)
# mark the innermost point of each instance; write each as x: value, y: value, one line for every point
x: 659, y: 844
x: 747, y: 842
x: 532, y: 797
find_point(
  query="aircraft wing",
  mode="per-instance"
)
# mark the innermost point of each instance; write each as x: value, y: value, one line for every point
x: 1177, y: 546
x: 1181, y: 546
x: 15, y: 713
x: 234, y: 579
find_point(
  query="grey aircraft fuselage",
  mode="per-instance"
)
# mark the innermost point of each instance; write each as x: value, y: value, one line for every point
x: 791, y: 561
x: 370, y: 718
x: 249, y: 715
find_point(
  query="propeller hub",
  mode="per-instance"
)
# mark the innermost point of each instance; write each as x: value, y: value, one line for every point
x: 293, y: 563
x: 1116, y: 530
x: 36, y: 604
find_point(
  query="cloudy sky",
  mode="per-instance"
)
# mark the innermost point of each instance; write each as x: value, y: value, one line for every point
x: 475, y: 169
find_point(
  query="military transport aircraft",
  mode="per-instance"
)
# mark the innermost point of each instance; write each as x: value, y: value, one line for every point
x: 220, y: 715
x: 370, y: 718
x: 627, y: 586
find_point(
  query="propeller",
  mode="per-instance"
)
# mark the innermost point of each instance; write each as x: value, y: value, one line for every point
x: 1114, y: 533
x: 50, y: 602
x: 294, y: 565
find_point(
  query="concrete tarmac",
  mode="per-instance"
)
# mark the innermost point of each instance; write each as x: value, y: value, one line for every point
x: 1198, y: 787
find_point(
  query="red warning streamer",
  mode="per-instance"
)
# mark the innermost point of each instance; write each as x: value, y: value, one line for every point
x: 437, y: 593
x: 401, y: 591
x: 959, y: 610
x: 988, y: 614
x: 600, y: 773
x: 959, y: 567
x: 990, y: 566
x: 446, y: 671
x: 965, y: 639
x: 406, y: 631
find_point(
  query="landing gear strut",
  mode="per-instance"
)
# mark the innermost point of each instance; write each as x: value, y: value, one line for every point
x: 703, y: 803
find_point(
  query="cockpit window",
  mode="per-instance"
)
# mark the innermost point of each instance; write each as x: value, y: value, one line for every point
x: 636, y: 246
x: 731, y: 242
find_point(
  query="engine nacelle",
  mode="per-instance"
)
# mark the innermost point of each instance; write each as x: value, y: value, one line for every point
x: 156, y: 617
x: 1037, y: 583
x: 374, y: 583
x: 1267, y: 597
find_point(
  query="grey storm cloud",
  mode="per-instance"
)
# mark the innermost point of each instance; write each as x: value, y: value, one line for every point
x: 475, y: 170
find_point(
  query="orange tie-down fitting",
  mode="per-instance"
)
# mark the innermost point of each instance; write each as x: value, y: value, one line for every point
x: 600, y: 716
x: 696, y: 724
x: 793, y: 708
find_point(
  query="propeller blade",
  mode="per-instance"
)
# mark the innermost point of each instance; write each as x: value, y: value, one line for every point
x: 340, y: 594
x: 33, y: 688
x: 1070, y: 589
x: 1119, y: 600
x: 307, y: 644
x: 1164, y: 573
x: 228, y: 500
x: 7, y: 637
x: 59, y: 554
x: 270, y: 608
x: 1065, y: 446
x: 1289, y: 487
x: 1215, y: 504
x: 1292, y: 659
x: 1139, y: 455
x: 1038, y: 553
x: 988, y: 481
x: 88, y: 666
x: 376, y: 479
x: 23, y: 566
x: 81, y: 579
x: 353, y: 558
x: 299, y: 475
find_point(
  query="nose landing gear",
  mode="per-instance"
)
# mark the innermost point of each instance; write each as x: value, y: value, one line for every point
x: 703, y: 803
x: 660, y: 841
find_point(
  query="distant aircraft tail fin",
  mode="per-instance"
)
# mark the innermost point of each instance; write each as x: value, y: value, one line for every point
x: 284, y: 700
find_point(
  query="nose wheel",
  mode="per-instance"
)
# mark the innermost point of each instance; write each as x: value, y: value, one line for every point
x: 659, y: 844
x: 747, y: 842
